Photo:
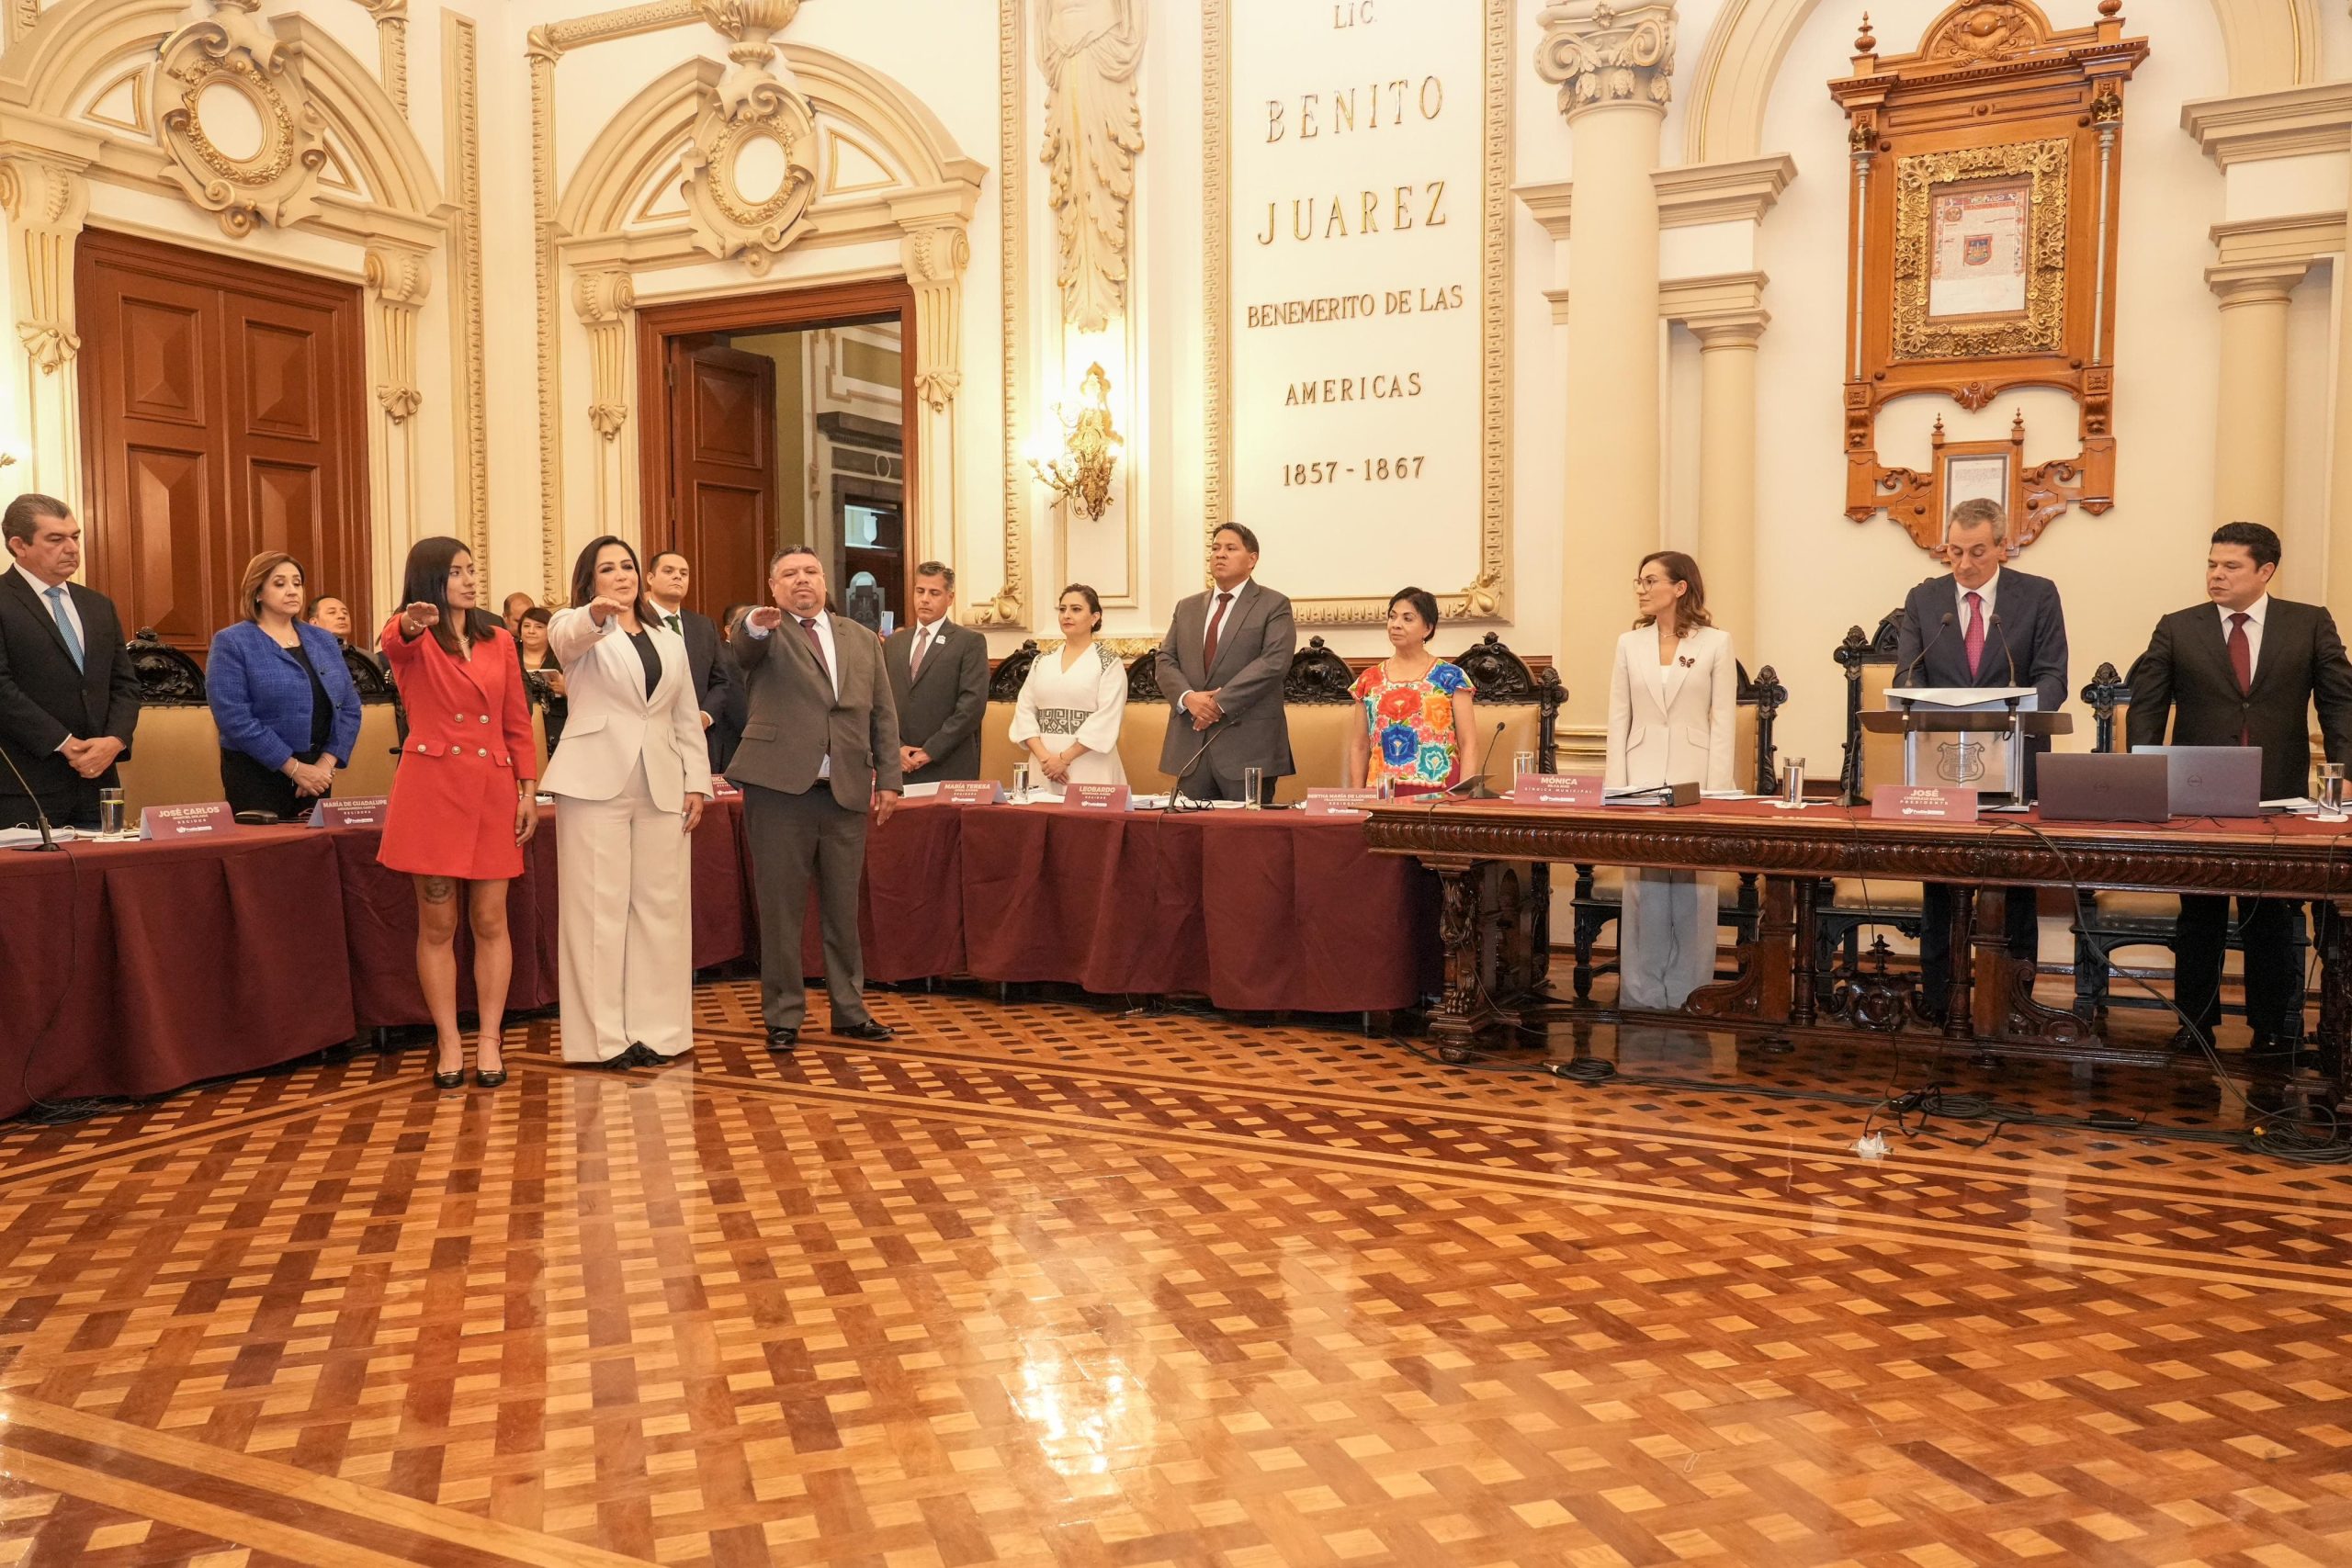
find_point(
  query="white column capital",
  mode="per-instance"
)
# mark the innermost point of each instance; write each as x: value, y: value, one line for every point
x: 1607, y: 53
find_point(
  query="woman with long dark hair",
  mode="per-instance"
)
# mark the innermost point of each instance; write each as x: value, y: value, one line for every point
x: 630, y: 779
x: 463, y: 804
x: 1673, y: 703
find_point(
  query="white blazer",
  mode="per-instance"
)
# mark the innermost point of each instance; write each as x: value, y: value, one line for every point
x: 1654, y: 741
x: 612, y: 722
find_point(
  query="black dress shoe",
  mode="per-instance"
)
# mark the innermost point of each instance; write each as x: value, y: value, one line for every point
x: 451, y: 1080
x: 872, y: 1029
x: 2191, y: 1041
x: 783, y: 1039
x: 492, y: 1078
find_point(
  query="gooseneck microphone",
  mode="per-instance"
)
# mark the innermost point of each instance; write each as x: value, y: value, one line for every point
x: 1176, y: 791
x: 1487, y: 765
x: 2006, y: 648
x: 49, y: 843
x: 1913, y: 667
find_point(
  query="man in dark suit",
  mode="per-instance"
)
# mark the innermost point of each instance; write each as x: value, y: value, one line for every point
x: 1981, y: 625
x: 2244, y: 670
x: 1222, y: 666
x: 667, y: 578
x: 939, y: 678
x: 69, y: 698
x: 819, y: 757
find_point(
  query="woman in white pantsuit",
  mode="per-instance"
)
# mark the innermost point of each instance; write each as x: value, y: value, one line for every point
x: 630, y: 780
x: 1672, y: 708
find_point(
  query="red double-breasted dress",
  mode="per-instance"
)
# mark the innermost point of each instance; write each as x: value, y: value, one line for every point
x: 470, y: 753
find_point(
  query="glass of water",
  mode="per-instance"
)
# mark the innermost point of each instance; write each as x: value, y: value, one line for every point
x: 1019, y: 783
x: 1254, y: 782
x: 112, y: 812
x: 1792, y: 782
x: 2331, y: 788
x: 1521, y: 764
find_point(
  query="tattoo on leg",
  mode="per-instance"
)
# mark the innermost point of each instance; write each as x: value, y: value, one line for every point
x: 440, y: 889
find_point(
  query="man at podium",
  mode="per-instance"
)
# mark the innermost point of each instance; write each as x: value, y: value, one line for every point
x: 1981, y: 625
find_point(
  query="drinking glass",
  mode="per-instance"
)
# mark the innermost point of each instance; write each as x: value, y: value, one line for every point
x: 1521, y: 764
x: 1020, y: 784
x: 2331, y: 788
x: 1792, y: 782
x: 112, y: 812
x: 1252, y: 782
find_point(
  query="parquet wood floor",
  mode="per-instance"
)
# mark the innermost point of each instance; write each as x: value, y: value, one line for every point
x: 1044, y: 1283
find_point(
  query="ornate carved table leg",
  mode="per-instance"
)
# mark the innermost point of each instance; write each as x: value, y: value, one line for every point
x: 1803, y: 999
x: 1454, y: 1028
x: 1761, y: 990
x: 1959, y: 1016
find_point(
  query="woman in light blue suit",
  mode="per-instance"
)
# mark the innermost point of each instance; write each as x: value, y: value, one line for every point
x: 281, y: 698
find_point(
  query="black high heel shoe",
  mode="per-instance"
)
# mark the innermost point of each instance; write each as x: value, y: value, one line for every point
x: 490, y: 1079
x: 449, y: 1081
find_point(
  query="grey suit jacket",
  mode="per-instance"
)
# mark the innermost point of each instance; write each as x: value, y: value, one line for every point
x: 793, y: 721
x: 1253, y: 654
x: 940, y: 705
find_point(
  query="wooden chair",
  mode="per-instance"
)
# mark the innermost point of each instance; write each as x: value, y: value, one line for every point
x: 1595, y: 906
x: 1845, y: 908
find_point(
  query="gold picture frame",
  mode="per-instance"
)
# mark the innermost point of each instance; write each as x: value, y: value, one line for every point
x: 2040, y: 328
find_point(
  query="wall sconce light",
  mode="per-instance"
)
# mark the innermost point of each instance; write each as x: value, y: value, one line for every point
x: 1080, y: 472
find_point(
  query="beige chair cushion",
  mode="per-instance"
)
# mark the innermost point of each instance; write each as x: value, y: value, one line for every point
x: 371, y: 758
x: 174, y: 760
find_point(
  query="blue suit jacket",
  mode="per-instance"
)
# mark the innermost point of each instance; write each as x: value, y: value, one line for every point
x: 2028, y: 633
x: 261, y: 695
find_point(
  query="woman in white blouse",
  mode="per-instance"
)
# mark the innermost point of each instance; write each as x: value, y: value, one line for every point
x: 1673, y: 701
x: 1073, y: 702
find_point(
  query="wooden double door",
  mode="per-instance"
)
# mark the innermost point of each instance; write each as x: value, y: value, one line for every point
x: 223, y: 414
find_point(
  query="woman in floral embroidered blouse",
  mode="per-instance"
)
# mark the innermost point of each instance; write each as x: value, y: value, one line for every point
x: 1420, y: 714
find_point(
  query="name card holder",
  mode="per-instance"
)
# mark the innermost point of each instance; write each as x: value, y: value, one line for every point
x: 366, y: 811
x: 1905, y: 803
x: 722, y: 790
x: 1099, y: 798
x: 1558, y: 789
x: 186, y: 821
x: 1341, y: 802
x: 971, y: 791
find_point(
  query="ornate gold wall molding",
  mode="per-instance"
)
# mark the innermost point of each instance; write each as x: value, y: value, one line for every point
x: 231, y: 48
x: 1089, y: 55
x: 1487, y: 596
x: 750, y: 106
x: 2271, y: 44
x: 392, y: 40
x: 461, y: 93
x: 1008, y: 606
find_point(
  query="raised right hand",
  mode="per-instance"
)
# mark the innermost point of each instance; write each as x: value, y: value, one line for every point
x: 419, y: 618
x: 768, y: 617
x: 601, y: 609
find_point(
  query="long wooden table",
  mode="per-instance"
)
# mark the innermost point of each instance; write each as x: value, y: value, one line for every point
x: 1494, y: 919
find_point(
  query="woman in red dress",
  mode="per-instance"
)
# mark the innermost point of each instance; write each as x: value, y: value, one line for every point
x: 463, y: 803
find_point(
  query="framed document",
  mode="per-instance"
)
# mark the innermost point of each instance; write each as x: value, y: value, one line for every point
x: 1976, y: 246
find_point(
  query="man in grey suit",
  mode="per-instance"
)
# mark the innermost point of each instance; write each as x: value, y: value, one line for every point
x: 820, y: 754
x: 939, y: 678
x: 1222, y: 666
x: 1981, y: 625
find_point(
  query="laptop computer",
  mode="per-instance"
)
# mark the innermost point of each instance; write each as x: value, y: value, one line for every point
x: 2211, y: 780
x: 2078, y: 787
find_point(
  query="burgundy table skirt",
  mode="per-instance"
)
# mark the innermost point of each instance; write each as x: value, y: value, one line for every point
x: 169, y: 964
x: 133, y: 969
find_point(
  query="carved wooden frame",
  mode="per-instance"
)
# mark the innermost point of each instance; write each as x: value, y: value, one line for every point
x: 1993, y: 92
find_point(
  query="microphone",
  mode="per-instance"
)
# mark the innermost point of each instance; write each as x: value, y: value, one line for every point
x: 49, y: 843
x: 1486, y: 759
x: 2006, y: 648
x: 1176, y: 790
x: 1942, y: 626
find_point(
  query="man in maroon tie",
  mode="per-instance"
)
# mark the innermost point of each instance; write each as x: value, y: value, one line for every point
x: 2244, y: 669
x: 1985, y: 624
x: 1222, y: 667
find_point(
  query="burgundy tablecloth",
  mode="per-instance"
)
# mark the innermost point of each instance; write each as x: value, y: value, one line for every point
x: 909, y: 918
x: 1268, y: 910
x: 168, y: 962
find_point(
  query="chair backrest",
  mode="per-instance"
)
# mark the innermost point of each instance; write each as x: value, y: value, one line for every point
x: 1759, y: 700
x: 2109, y: 701
x: 167, y: 678
x: 1529, y: 702
x: 1868, y: 666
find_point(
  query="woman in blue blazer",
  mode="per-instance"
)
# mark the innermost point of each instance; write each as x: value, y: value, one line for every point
x: 287, y: 713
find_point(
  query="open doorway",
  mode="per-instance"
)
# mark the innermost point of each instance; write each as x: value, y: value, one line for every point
x: 780, y: 420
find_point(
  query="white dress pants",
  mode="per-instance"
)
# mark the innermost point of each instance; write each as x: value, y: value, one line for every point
x: 625, y: 935
x: 1666, y: 938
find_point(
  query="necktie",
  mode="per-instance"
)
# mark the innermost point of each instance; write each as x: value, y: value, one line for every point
x: 816, y: 647
x: 2242, y: 665
x: 56, y: 597
x: 1975, y: 633
x: 923, y: 645
x: 677, y: 624
x: 1216, y: 625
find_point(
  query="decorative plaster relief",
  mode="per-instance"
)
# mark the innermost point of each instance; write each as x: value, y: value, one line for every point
x: 1601, y: 53
x: 1089, y: 51
x: 398, y: 281
x: 231, y: 53
x: 750, y: 159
